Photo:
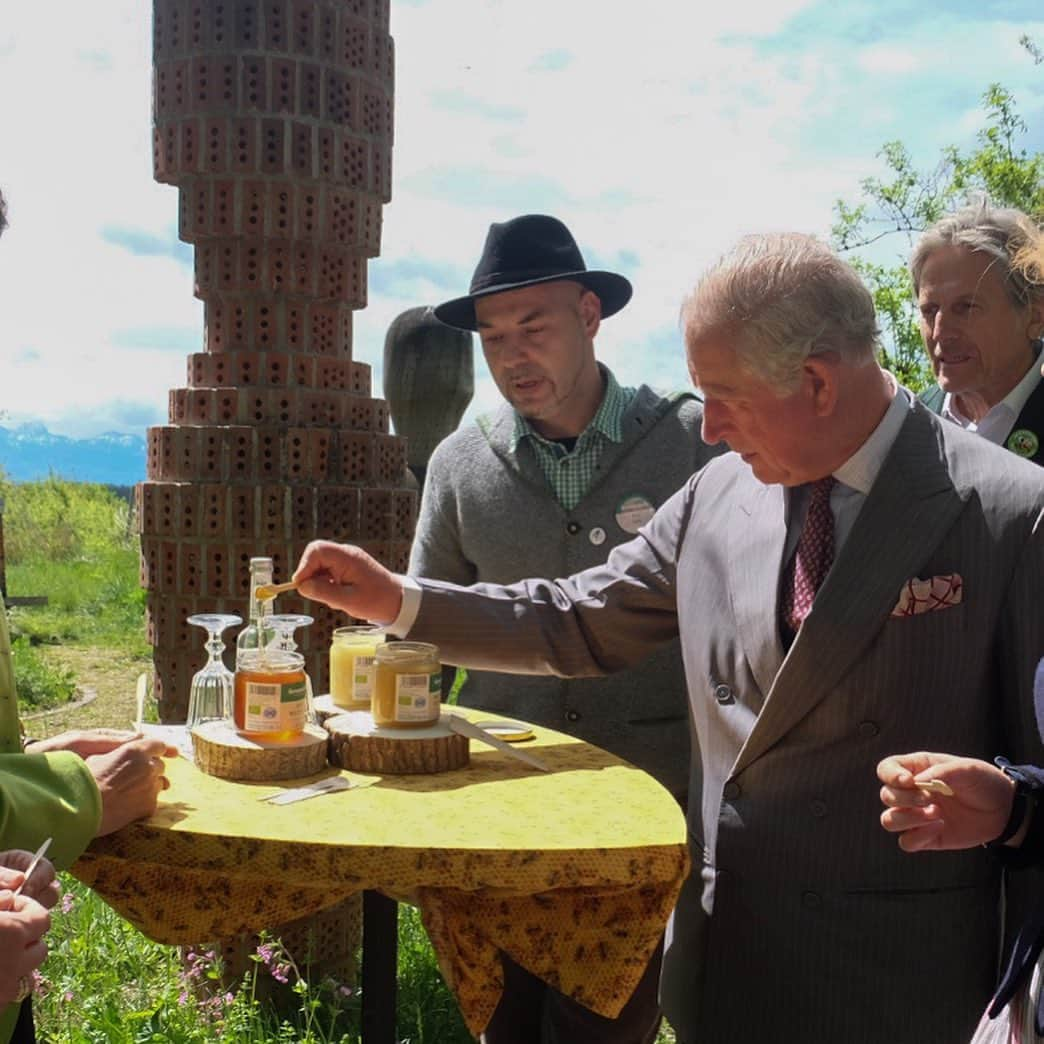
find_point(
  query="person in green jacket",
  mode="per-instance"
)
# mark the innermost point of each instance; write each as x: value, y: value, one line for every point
x: 71, y: 788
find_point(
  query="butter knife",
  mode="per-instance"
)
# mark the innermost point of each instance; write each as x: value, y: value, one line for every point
x: 472, y: 731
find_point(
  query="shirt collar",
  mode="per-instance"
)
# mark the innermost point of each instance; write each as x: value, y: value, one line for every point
x: 608, y: 418
x: 1010, y: 406
x: 860, y: 470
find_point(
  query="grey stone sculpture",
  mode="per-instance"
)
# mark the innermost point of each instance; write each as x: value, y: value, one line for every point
x: 429, y: 379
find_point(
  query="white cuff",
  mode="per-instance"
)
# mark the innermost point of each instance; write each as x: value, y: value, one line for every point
x: 411, y: 600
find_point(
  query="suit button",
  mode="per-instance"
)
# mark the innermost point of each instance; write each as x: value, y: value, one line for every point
x: 723, y: 693
x: 723, y: 876
x: 811, y: 900
x: 572, y: 715
x: 819, y: 808
x: 868, y: 729
x: 573, y: 528
x: 732, y: 790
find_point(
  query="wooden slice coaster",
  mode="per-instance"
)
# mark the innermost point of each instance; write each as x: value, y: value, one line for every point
x: 221, y: 751
x: 357, y: 744
x: 326, y: 708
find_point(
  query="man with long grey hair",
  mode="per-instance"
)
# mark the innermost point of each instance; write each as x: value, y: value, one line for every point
x: 982, y: 321
x: 858, y: 578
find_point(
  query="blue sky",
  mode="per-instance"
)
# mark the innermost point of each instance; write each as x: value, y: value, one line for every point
x: 659, y: 133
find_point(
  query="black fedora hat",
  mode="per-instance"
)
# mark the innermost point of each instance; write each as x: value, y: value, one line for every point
x: 526, y: 251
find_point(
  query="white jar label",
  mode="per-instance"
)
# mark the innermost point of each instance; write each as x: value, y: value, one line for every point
x: 362, y: 679
x: 417, y: 696
x: 273, y: 707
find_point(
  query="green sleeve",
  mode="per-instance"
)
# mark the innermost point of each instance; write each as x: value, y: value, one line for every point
x: 48, y: 795
x: 41, y: 795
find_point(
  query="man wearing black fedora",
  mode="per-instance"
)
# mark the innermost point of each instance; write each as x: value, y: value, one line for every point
x: 570, y: 466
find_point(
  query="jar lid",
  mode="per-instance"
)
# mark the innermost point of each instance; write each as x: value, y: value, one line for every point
x: 359, y: 632
x: 509, y: 731
x: 393, y: 651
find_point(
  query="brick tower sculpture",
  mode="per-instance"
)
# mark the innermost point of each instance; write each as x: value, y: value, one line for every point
x: 274, y: 120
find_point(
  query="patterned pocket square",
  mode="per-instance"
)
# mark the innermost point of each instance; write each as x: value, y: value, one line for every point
x: 925, y: 596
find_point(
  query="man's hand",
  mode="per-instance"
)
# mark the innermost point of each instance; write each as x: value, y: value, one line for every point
x: 346, y: 577
x: 41, y: 886
x: 23, y: 924
x: 130, y: 779
x: 976, y: 813
x: 85, y: 742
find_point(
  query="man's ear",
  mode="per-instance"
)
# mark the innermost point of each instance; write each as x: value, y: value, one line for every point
x: 590, y: 312
x: 1035, y: 320
x: 822, y: 381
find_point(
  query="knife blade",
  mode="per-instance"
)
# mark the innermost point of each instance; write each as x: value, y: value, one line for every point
x: 472, y: 731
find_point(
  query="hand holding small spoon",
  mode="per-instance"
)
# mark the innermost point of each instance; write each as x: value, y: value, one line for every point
x: 268, y: 591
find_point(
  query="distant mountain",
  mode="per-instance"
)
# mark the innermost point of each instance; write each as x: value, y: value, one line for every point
x: 30, y: 451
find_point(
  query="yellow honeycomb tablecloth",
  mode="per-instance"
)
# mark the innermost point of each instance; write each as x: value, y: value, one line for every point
x: 573, y: 872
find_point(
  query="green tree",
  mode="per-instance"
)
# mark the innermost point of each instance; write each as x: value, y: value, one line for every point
x: 906, y: 201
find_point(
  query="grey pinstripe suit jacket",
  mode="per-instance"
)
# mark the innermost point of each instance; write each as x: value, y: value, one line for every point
x: 802, y: 921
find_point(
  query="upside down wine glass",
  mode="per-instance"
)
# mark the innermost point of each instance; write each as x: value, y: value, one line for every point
x: 284, y: 625
x: 210, y: 697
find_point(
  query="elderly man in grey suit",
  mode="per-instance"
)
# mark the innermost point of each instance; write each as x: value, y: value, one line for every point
x: 858, y: 578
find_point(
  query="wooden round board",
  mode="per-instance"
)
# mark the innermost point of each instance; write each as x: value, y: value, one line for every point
x: 357, y: 744
x: 326, y: 708
x: 220, y: 750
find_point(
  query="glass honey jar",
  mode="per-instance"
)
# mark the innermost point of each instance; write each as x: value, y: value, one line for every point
x: 407, y: 690
x: 353, y: 665
x: 271, y: 695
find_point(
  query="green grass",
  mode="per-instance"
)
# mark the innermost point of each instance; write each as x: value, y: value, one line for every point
x: 105, y: 983
x: 40, y: 683
x: 75, y: 544
x: 93, y: 599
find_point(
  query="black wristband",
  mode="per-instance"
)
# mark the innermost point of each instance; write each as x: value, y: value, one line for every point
x: 1020, y: 804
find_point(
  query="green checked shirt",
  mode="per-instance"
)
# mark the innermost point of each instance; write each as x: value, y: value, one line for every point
x: 571, y: 472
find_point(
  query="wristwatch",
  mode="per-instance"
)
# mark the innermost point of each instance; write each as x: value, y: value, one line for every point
x: 1024, y: 800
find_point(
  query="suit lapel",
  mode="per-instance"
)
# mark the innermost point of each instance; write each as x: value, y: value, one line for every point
x: 757, y: 534
x: 911, y: 507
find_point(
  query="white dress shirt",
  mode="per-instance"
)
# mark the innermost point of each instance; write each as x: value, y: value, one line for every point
x: 996, y: 426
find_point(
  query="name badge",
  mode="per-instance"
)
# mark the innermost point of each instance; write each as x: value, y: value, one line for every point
x: 633, y: 512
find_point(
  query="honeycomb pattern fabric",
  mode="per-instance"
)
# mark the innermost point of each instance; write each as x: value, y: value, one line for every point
x: 572, y: 872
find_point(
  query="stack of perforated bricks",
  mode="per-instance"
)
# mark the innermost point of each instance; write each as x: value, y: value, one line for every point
x: 274, y: 120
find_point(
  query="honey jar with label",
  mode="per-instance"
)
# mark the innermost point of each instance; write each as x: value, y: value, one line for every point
x: 407, y: 690
x: 353, y: 665
x: 271, y: 695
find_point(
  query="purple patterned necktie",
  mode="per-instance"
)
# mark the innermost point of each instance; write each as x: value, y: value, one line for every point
x: 811, y: 561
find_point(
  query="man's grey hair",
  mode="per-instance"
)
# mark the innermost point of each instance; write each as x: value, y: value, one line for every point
x: 3, y: 213
x: 999, y: 232
x: 781, y: 299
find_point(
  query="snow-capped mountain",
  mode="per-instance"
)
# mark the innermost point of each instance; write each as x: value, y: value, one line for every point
x: 30, y: 451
